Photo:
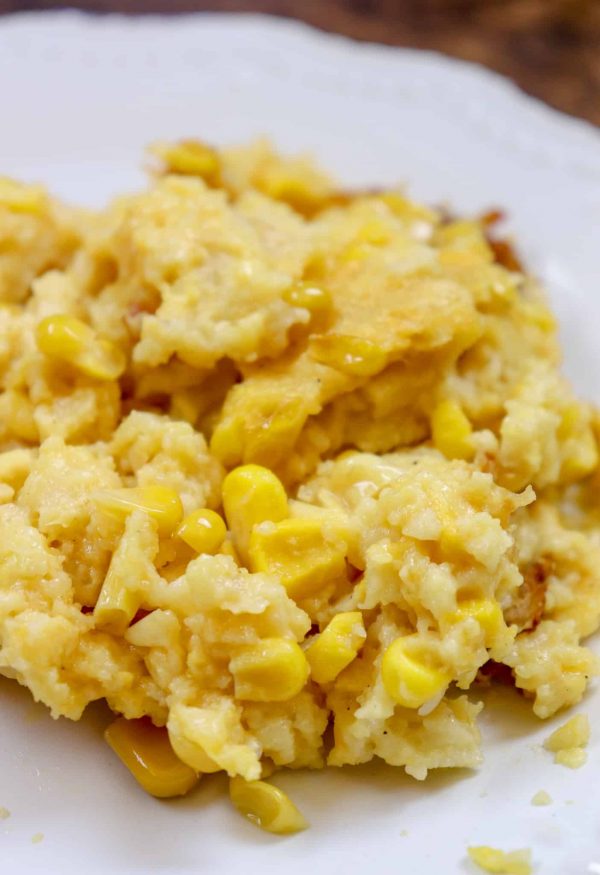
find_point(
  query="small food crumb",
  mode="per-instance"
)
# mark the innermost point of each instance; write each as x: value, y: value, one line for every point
x: 574, y: 733
x: 573, y: 757
x: 501, y: 862
x: 541, y: 798
x: 37, y: 838
x: 403, y: 833
x: 567, y: 742
x: 4, y: 813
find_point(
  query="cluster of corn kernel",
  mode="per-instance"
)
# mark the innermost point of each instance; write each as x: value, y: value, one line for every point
x: 258, y: 530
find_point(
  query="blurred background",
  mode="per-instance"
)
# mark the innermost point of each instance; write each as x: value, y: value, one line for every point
x: 551, y: 48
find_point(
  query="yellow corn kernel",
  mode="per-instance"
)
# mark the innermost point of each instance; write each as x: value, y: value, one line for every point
x: 501, y: 862
x: 487, y: 612
x: 272, y: 670
x: 296, y: 551
x: 161, y: 503
x: 451, y: 431
x: 356, y: 356
x: 117, y: 603
x: 336, y: 646
x: 203, y: 530
x: 311, y: 297
x: 266, y: 806
x: 282, y: 184
x: 251, y: 494
x: 191, y: 158
x: 146, y: 751
x: 409, y: 673
x: 70, y: 340
x: 21, y: 198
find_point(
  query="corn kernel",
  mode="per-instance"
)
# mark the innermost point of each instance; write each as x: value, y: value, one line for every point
x: 70, y: 340
x: 280, y: 183
x: 336, y: 646
x: 266, y: 806
x: 487, y: 612
x: 146, y: 751
x: 191, y: 158
x: 272, y: 670
x: 117, y: 603
x: 251, y: 494
x: 203, y: 530
x: 296, y: 551
x: 409, y: 675
x: 312, y: 298
x: 356, y: 356
x: 451, y: 431
x: 161, y: 503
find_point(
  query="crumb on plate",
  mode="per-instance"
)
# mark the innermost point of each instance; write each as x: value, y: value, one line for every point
x: 502, y: 862
x: 541, y: 798
x: 568, y: 741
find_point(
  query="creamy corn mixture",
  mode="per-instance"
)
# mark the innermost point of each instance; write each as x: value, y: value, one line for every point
x: 277, y: 458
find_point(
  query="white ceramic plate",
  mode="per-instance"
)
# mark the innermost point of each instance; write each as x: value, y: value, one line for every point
x: 79, y: 98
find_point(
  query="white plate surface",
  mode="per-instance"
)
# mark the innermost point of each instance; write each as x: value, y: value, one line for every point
x: 79, y: 99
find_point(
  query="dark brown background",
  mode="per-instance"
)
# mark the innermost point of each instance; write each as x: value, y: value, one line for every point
x: 549, y: 47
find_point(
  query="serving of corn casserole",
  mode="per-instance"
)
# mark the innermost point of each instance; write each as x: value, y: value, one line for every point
x: 287, y: 473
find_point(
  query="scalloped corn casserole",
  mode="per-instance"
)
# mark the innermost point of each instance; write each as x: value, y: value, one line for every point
x: 277, y: 458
